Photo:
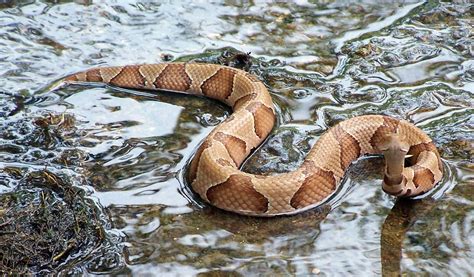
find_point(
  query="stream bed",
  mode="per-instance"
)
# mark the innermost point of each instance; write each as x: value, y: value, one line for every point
x: 91, y: 178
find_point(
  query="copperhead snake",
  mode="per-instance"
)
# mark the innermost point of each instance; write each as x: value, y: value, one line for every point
x: 214, y: 171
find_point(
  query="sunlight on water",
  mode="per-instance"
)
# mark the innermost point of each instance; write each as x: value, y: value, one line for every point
x: 323, y: 62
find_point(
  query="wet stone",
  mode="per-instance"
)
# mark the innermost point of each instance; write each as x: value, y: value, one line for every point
x: 52, y: 223
x: 104, y: 184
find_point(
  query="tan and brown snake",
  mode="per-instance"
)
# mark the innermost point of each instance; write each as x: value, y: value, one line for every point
x: 214, y: 171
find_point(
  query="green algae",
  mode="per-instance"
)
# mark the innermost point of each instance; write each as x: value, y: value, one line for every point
x: 65, y: 154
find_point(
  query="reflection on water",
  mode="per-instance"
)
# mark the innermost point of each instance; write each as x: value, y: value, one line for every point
x: 399, y: 220
x: 322, y: 61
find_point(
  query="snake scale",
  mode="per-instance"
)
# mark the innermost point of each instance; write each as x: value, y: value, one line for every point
x: 214, y: 171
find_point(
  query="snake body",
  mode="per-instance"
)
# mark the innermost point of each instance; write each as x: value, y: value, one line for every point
x: 214, y: 171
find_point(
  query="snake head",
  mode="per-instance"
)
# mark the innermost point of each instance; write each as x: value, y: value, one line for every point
x: 393, y: 145
x: 394, y: 149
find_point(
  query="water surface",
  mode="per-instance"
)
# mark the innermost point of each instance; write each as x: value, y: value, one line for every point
x: 323, y: 62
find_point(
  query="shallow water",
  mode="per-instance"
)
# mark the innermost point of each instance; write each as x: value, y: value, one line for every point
x: 323, y: 61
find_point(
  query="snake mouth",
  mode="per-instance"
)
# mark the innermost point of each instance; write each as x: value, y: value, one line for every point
x: 408, y: 160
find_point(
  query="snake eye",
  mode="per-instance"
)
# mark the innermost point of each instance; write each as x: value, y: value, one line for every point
x: 404, y: 147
